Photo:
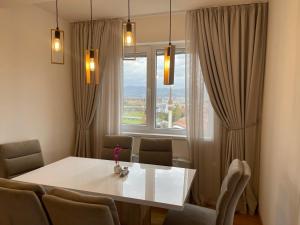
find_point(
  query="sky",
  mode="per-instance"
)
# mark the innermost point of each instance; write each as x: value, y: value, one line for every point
x: 135, y: 72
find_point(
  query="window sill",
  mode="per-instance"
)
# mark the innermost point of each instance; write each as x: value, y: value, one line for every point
x: 156, y: 135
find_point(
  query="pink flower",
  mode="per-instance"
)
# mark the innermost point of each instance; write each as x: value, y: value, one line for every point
x: 116, y: 152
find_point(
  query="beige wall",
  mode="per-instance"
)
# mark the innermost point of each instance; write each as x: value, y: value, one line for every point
x: 155, y: 28
x: 280, y: 156
x: 35, y: 96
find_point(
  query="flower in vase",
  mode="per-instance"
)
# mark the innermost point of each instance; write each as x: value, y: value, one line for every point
x: 117, y: 151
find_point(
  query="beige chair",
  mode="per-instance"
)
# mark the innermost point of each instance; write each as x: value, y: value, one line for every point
x: 111, y: 141
x: 71, y: 208
x: 232, y: 188
x: 156, y: 151
x: 20, y: 204
x: 20, y: 157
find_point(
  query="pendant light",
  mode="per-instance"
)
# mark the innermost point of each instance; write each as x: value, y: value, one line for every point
x: 129, y: 37
x: 92, y: 57
x: 169, y: 58
x: 57, y: 42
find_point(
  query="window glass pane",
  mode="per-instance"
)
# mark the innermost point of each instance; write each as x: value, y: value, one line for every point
x: 170, y: 100
x: 134, y: 91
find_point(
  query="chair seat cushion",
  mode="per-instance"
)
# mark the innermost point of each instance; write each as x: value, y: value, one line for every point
x: 191, y: 215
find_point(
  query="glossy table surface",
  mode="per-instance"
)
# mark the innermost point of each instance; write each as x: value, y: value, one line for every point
x: 151, y: 185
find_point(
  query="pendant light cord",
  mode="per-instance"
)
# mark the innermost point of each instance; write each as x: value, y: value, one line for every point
x: 170, y: 22
x: 56, y: 15
x: 128, y: 10
x: 92, y: 25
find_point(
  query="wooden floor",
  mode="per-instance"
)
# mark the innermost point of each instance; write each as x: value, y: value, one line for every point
x: 158, y: 215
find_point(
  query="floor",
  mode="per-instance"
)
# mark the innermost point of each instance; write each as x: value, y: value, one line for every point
x: 158, y: 215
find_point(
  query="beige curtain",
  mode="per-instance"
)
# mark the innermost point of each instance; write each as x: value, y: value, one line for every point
x: 89, y: 100
x: 231, y: 42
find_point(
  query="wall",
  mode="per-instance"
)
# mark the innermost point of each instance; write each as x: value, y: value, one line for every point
x: 155, y: 28
x: 35, y: 96
x: 280, y: 154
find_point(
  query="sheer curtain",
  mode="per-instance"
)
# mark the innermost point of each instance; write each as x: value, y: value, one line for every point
x: 107, y: 118
x: 203, y: 128
x: 96, y: 106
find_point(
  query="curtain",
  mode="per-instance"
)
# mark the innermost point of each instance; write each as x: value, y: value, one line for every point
x: 231, y: 45
x: 89, y: 100
x: 203, y: 128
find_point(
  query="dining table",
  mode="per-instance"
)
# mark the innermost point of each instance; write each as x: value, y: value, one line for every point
x: 145, y: 186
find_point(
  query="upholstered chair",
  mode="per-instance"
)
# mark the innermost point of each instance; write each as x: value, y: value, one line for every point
x: 20, y: 204
x: 111, y: 141
x: 20, y: 157
x: 156, y: 151
x: 71, y: 208
x: 232, y: 188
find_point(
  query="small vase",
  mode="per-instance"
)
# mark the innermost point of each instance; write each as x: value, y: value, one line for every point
x: 117, y: 169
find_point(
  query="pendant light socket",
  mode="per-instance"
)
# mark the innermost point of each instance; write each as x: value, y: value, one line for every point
x: 57, y: 33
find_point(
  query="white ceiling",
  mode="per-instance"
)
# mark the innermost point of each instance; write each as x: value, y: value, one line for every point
x: 76, y: 10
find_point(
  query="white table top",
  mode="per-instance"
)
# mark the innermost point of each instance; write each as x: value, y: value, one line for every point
x: 159, y: 186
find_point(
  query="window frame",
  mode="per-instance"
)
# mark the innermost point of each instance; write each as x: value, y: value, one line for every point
x: 150, y: 127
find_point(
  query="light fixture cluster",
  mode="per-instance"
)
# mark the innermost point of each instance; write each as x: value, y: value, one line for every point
x: 92, y: 70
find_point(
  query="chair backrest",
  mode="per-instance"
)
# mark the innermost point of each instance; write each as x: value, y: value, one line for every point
x: 20, y: 157
x: 232, y: 188
x: 111, y: 141
x: 20, y: 204
x: 71, y: 208
x: 156, y: 151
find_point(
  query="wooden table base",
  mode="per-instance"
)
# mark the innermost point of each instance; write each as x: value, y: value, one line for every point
x: 132, y: 214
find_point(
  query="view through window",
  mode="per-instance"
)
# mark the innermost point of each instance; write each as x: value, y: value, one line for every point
x: 170, y: 100
x: 151, y: 107
x: 135, y: 91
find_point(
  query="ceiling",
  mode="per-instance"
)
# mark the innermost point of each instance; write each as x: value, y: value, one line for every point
x: 77, y: 10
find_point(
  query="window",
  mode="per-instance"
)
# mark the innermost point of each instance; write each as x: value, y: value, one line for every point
x: 150, y: 107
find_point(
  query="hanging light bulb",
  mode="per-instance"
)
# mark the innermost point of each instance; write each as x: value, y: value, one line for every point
x: 129, y: 34
x: 92, y: 62
x: 57, y: 41
x: 92, y: 57
x: 57, y: 37
x: 169, y: 58
x: 129, y: 37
